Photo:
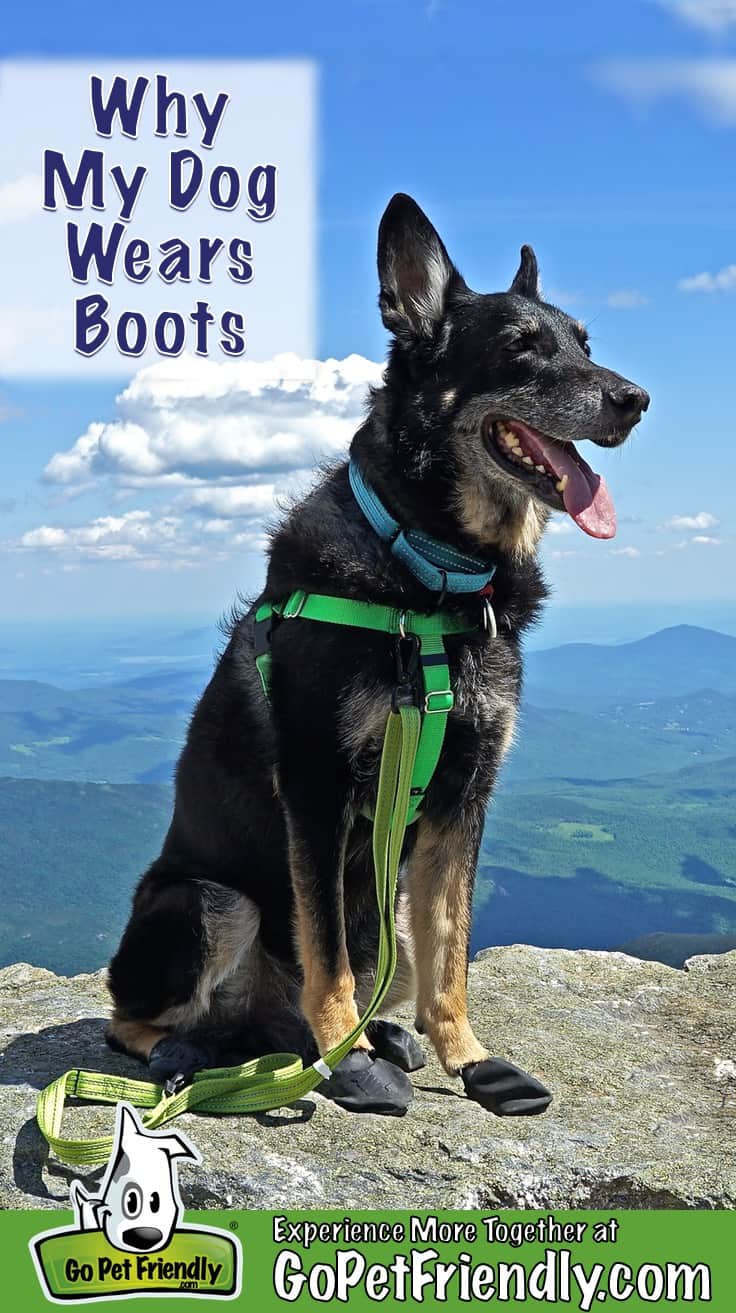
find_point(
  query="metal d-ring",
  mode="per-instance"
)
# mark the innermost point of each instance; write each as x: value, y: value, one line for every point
x: 489, y: 618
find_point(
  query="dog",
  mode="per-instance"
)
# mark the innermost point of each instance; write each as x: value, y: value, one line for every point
x: 256, y: 927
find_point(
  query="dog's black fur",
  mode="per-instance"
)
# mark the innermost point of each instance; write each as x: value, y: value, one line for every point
x: 268, y: 799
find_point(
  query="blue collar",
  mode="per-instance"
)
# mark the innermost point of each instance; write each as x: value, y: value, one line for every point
x: 440, y: 567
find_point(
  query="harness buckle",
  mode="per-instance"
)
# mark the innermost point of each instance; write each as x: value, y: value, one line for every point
x: 295, y: 605
x: 448, y: 702
x: 404, y: 694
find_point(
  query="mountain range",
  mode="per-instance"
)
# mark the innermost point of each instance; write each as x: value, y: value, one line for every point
x: 613, y: 821
x: 588, y: 710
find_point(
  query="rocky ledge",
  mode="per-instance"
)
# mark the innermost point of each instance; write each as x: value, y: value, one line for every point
x: 641, y: 1057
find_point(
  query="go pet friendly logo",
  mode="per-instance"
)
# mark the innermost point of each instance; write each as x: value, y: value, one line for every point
x: 129, y: 1238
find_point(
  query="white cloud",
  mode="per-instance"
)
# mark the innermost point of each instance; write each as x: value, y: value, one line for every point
x: 709, y: 83
x: 20, y: 198
x: 703, y: 540
x: 723, y: 281
x: 193, y: 422
x: 711, y: 15
x: 228, y: 440
x: 560, y: 526
x: 626, y: 551
x: 249, y: 502
x: 627, y: 298
x: 703, y: 520
x: 142, y: 539
x: 134, y: 535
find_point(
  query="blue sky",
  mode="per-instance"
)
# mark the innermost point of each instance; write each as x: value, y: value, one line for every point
x: 604, y: 134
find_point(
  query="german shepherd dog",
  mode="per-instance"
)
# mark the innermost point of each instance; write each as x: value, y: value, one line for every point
x: 256, y: 928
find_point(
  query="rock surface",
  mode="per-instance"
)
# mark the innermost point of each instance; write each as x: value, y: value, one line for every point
x: 641, y: 1057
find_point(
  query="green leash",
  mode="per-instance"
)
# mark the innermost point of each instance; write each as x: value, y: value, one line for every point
x: 410, y: 754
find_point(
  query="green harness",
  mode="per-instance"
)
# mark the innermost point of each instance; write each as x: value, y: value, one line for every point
x: 424, y: 635
x: 415, y: 731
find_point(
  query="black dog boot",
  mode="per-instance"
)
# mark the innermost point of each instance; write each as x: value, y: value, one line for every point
x: 504, y: 1089
x: 177, y: 1058
x: 361, y: 1083
x: 396, y: 1045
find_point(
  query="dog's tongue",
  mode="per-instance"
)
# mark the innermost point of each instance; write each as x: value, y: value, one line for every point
x: 585, y: 495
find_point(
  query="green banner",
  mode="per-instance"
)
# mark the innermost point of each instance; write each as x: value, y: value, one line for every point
x: 360, y: 1260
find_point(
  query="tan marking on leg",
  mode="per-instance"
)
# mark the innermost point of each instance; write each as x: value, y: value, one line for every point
x: 440, y: 884
x: 328, y: 1001
x: 328, y: 998
x: 138, y: 1037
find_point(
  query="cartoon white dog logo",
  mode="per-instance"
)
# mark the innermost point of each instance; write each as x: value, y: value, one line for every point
x: 138, y: 1206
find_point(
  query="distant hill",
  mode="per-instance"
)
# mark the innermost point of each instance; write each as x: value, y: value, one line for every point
x: 117, y: 732
x: 583, y: 863
x: 70, y: 856
x: 669, y: 663
x: 24, y: 695
x: 710, y: 779
x: 133, y: 731
x: 614, y: 818
x: 564, y: 863
x: 633, y: 738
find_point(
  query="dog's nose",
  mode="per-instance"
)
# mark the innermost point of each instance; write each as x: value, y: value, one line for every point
x: 628, y: 399
x: 142, y: 1237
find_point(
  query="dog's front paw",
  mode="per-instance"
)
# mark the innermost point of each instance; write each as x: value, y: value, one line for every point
x: 504, y: 1089
x: 396, y: 1045
x: 175, y: 1056
x: 361, y: 1083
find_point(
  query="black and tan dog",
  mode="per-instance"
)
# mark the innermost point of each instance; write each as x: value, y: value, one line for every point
x: 255, y: 929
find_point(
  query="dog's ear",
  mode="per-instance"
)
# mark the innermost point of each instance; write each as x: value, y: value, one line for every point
x: 177, y: 1147
x: 526, y: 281
x: 414, y: 270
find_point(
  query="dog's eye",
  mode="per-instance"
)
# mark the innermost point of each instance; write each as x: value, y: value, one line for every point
x: 155, y: 1202
x: 132, y: 1201
x: 524, y: 342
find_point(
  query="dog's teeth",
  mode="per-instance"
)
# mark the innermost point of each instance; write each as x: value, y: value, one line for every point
x: 540, y: 468
x: 502, y: 429
x: 516, y: 450
x: 562, y: 483
x: 509, y: 439
x: 527, y: 460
